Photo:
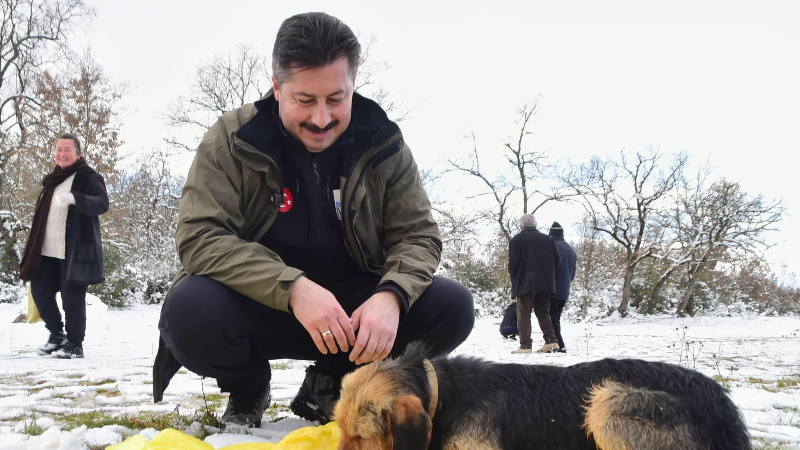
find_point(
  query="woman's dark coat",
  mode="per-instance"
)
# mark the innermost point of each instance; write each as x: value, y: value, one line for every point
x: 83, y: 250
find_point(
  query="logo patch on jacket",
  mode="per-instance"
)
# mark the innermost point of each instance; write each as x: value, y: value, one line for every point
x: 337, y: 202
x: 288, y: 201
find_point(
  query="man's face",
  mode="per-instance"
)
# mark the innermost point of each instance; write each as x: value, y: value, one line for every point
x: 66, y: 155
x: 315, y: 105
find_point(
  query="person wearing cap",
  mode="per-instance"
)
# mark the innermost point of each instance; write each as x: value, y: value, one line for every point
x: 532, y: 261
x: 565, y: 273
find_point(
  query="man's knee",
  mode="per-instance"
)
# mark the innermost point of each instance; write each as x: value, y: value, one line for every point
x: 201, y: 318
x: 456, y: 299
x: 456, y: 304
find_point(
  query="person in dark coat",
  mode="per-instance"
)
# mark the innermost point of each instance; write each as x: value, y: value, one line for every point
x: 532, y: 261
x: 508, y: 326
x: 565, y: 273
x: 63, y: 252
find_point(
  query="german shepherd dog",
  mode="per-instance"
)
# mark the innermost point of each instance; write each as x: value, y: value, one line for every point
x: 459, y: 403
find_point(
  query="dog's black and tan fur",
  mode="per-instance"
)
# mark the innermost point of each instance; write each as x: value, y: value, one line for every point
x: 608, y: 405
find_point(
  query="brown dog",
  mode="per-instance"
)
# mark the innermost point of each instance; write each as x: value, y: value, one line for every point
x: 411, y: 403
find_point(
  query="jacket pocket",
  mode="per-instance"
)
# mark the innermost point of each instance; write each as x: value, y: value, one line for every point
x: 85, y: 252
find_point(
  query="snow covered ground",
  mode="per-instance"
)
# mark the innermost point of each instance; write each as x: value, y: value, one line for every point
x: 758, y: 358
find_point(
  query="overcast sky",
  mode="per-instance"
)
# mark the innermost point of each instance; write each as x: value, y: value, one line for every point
x: 718, y: 80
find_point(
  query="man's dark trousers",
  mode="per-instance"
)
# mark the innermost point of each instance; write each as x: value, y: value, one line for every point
x: 540, y: 305
x: 556, y: 308
x: 216, y: 332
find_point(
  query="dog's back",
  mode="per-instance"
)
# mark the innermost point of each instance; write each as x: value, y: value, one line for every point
x: 658, y: 406
x: 470, y: 403
x: 613, y: 404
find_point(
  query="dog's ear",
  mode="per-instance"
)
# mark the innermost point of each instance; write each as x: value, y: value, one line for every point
x: 419, y: 350
x: 410, y: 424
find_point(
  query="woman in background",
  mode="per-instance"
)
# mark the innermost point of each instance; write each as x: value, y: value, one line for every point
x: 63, y: 252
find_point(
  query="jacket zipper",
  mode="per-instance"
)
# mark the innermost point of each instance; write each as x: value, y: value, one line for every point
x: 346, y: 211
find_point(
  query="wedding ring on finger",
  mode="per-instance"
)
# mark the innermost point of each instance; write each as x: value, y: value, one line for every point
x: 326, y: 333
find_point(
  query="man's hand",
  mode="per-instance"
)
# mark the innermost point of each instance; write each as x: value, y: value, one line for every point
x: 376, y: 321
x: 319, y: 312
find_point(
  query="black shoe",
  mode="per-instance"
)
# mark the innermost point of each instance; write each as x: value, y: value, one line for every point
x: 56, y: 342
x: 562, y: 350
x: 69, y: 351
x: 317, y: 396
x: 245, y: 409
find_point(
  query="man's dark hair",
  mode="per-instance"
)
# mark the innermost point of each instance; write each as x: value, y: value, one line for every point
x: 74, y: 139
x: 313, y: 40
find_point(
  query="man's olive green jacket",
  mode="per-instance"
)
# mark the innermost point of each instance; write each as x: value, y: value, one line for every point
x: 234, y: 189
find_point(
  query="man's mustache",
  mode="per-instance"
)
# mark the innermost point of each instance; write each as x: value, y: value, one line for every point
x: 317, y: 129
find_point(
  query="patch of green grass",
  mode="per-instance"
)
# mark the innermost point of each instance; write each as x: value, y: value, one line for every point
x: 273, y: 411
x: 789, y: 382
x: 159, y: 421
x: 213, y: 401
x: 40, y: 387
x: 74, y: 376
x: 726, y: 382
x: 279, y: 365
x: 754, y: 380
x: 29, y: 426
x: 96, y: 383
x: 761, y: 445
x: 183, y: 372
x: 206, y: 419
x: 113, y: 392
x: 93, y: 419
x: 63, y: 395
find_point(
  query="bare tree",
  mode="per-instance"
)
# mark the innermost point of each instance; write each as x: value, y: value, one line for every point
x: 621, y: 198
x: 598, y: 264
x: 457, y: 229
x: 687, y: 223
x: 737, y: 227
x: 221, y: 85
x: 511, y: 188
x: 33, y: 34
x: 368, y: 83
x: 30, y: 31
x: 85, y: 103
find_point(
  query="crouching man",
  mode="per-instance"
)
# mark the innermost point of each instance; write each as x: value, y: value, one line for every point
x: 304, y: 233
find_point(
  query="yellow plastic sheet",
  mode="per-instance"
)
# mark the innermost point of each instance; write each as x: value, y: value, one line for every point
x: 33, y: 312
x: 325, y: 437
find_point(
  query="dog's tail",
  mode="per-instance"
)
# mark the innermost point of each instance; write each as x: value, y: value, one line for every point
x: 621, y: 417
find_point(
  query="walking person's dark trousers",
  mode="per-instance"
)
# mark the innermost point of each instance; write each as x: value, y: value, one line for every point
x: 216, y: 332
x: 50, y: 279
x: 556, y: 308
x: 540, y: 305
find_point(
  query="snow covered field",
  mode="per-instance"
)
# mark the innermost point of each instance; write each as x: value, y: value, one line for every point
x: 758, y: 358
